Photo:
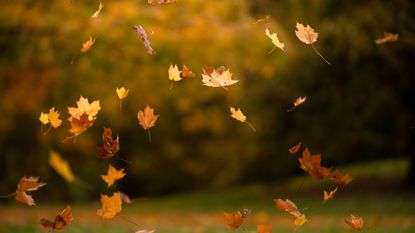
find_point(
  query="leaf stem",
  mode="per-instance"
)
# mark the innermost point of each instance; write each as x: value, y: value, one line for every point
x: 149, y: 134
x: 291, y: 109
x: 47, y: 131
x: 121, y: 105
x: 122, y: 159
x: 252, y: 127
x: 312, y: 45
x: 128, y: 220
x: 8, y: 195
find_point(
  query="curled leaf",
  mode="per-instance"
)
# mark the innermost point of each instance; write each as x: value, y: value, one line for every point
x: 295, y: 149
x: 300, y: 100
x: 87, y: 45
x: 61, y: 221
x: 307, y: 35
x: 355, y: 222
x: 328, y: 196
x: 233, y: 220
x: 26, y: 185
x: 100, y: 6
x: 274, y: 39
x: 287, y: 206
x: 61, y: 166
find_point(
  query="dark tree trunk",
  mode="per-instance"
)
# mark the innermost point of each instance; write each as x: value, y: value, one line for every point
x: 411, y: 153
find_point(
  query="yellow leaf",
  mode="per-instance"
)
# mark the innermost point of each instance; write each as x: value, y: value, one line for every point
x: 300, y: 220
x: 44, y: 118
x: 387, y: 37
x: 307, y: 35
x: 95, y: 15
x: 61, y: 166
x: 111, y: 206
x: 238, y: 115
x: 300, y: 100
x: 87, y: 45
x: 113, y: 175
x: 122, y: 93
x: 54, y: 118
x: 174, y: 73
x: 219, y: 77
x: 274, y: 39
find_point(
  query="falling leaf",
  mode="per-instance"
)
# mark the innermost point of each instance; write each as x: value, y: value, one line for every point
x: 219, y: 77
x: 262, y: 228
x: 145, y: 231
x: 311, y: 164
x: 355, y: 222
x: 233, y: 220
x: 111, y: 206
x: 111, y: 145
x: 61, y: 221
x: 26, y: 185
x: 113, y: 175
x: 295, y: 149
x: 122, y: 93
x: 44, y: 118
x: 187, y: 73
x: 54, y: 118
x: 262, y: 20
x: 143, y: 35
x: 328, y: 196
x: 300, y: 100
x: 339, y: 179
x: 88, y: 44
x: 287, y: 206
x: 300, y: 220
x: 307, y: 35
x: 238, y: 115
x: 125, y: 198
x: 83, y: 116
x: 174, y: 73
x: 274, y: 39
x: 61, y: 166
x: 95, y: 15
x: 160, y: 2
x: 147, y: 119
x: 387, y: 37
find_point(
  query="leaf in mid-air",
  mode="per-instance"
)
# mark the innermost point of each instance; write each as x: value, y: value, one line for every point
x: 111, y: 206
x: 274, y: 39
x: 110, y: 146
x: 233, y: 220
x: 187, y: 73
x: 83, y: 116
x: 88, y: 44
x: 122, y: 93
x: 307, y: 35
x: 143, y: 36
x: 100, y: 6
x: 311, y: 164
x: 340, y: 179
x: 26, y: 185
x: 54, y: 120
x: 61, y: 166
x: 220, y: 77
x: 44, y: 118
x: 287, y: 206
x: 387, y: 38
x: 113, y: 175
x: 238, y: 115
x: 174, y: 73
x: 295, y: 149
x: 264, y: 228
x: 355, y: 222
x: 146, y: 118
x: 300, y: 220
x: 61, y: 220
x: 328, y: 196
x: 300, y: 100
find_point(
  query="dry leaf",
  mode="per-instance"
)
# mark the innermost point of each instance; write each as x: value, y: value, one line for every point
x: 339, y: 179
x: 187, y: 73
x: 262, y: 20
x: 262, y: 228
x: 160, y: 2
x: 122, y: 93
x: 238, y: 115
x: 113, y: 175
x: 355, y: 222
x: 61, y: 166
x: 219, y: 77
x: 387, y: 37
x: 328, y: 196
x: 307, y: 35
x: 95, y: 15
x: 83, y: 116
x: 54, y: 120
x: 300, y: 100
x: 88, y: 44
x: 147, y: 119
x: 61, y: 221
x: 174, y: 73
x: 111, y: 206
x: 295, y: 149
x: 311, y: 164
x: 274, y: 39
x: 300, y: 220
x: 287, y: 206
x: 233, y: 220
x: 26, y: 185
x: 44, y: 118
x: 143, y: 35
x: 111, y: 145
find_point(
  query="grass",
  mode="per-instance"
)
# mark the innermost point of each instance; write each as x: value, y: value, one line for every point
x: 376, y: 194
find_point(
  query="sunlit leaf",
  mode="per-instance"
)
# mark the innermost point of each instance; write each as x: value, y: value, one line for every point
x: 328, y: 196
x: 111, y: 206
x: 355, y: 222
x: 238, y: 115
x: 113, y: 175
x: 220, y: 77
x: 307, y: 35
x: 274, y: 39
x: 387, y: 38
x: 300, y: 100
x: 96, y: 14
x: 26, y: 185
x: 61, y: 166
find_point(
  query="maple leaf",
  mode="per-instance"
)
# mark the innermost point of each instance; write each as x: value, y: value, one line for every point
x: 187, y: 73
x: 339, y: 179
x: 44, y: 118
x: 88, y: 44
x: 54, y: 120
x: 95, y: 15
x: 274, y: 39
x: 295, y: 149
x: 61, y: 166
x: 83, y: 116
x: 387, y: 38
x: 262, y: 228
x: 26, y: 185
x: 143, y: 35
x: 287, y: 206
x: 311, y: 164
x: 113, y: 175
x: 234, y: 220
x: 220, y: 77
x: 111, y: 206
x: 61, y: 221
x: 147, y: 119
x: 122, y: 93
x: 328, y: 196
x: 355, y: 222
x: 238, y: 115
x: 307, y: 35
x: 111, y: 145
x: 300, y: 100
x: 174, y: 73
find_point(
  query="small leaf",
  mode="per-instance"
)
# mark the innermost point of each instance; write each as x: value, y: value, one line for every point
x: 111, y: 206
x: 355, y: 222
x: 61, y: 166
x: 287, y: 206
x: 87, y: 45
x: 238, y: 115
x: 174, y: 73
x: 300, y: 100
x: 122, y: 93
x: 147, y: 119
x: 25, y: 185
x: 234, y: 220
x: 387, y: 38
x: 274, y: 39
x: 113, y: 175
x: 295, y: 149
x: 61, y: 221
x: 187, y: 73
x: 44, y: 118
x: 328, y: 196
x: 54, y: 118
x: 307, y: 35
x: 311, y: 164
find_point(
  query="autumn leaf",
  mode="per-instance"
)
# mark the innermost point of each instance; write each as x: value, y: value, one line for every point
x: 113, y: 175
x: 187, y: 73
x: 238, y: 115
x: 220, y: 77
x: 88, y: 44
x: 274, y: 40
x: 262, y: 20
x: 145, y: 231
x: 295, y: 149
x: 311, y: 164
x: 174, y: 73
x: 111, y: 145
x: 95, y: 15
x: 143, y: 36
x: 387, y: 38
x: 26, y: 185
x: 339, y: 179
x: 355, y: 222
x: 262, y: 228
x: 287, y: 206
x: 147, y: 119
x: 61, y: 221
x: 328, y: 196
x: 111, y: 206
x: 54, y: 118
x: 307, y: 35
x: 160, y: 2
x: 300, y: 100
x: 61, y: 166
x: 122, y: 94
x: 300, y: 220
x: 44, y: 118
x: 83, y: 116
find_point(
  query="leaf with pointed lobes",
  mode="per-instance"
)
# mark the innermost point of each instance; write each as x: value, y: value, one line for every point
x: 220, y: 77
x: 113, y: 175
x: 146, y: 118
x: 387, y: 38
x: 339, y: 179
x: 83, y: 116
x: 26, y: 185
x: 111, y: 206
x: 122, y: 92
x: 61, y: 221
x: 311, y: 164
x: 300, y: 100
x: 328, y: 196
x: 287, y: 206
x: 274, y: 39
x: 174, y: 73
x: 111, y: 145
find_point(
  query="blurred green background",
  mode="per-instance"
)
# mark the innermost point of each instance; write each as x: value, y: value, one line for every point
x: 360, y: 108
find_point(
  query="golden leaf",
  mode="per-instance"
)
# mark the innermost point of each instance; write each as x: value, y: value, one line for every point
x: 95, y: 15
x: 174, y: 73
x: 54, y: 118
x: 300, y: 220
x: 61, y: 166
x: 274, y: 39
x: 87, y: 45
x: 219, y: 77
x: 113, y: 175
x: 238, y: 115
x: 44, y: 118
x: 111, y: 206
x: 147, y: 119
x: 295, y: 149
x: 387, y: 38
x: 122, y: 93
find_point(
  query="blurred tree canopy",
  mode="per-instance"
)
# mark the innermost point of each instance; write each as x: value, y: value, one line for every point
x: 357, y: 109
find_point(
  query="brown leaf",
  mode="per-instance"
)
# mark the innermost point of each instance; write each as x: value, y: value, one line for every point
x: 187, y: 73
x: 295, y: 149
x: 287, y: 206
x: 387, y: 38
x: 111, y: 206
x: 111, y: 145
x: 234, y: 220
x: 262, y: 228
x: 143, y: 35
x: 339, y: 179
x: 355, y: 222
x: 26, y: 185
x: 61, y: 221
x: 147, y: 119
x: 328, y: 196
x: 311, y: 164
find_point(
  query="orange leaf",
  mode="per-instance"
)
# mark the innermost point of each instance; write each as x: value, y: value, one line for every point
x: 295, y: 149
x: 111, y: 206
x: 355, y: 222
x: 187, y: 73
x: 111, y: 145
x: 328, y: 196
x: 61, y: 221
x: 234, y: 220
x: 287, y: 206
x: 147, y: 118
x: 87, y: 45
x: 387, y: 37
x: 307, y: 35
x: 264, y: 228
x: 25, y: 185
x: 341, y: 180
x: 311, y: 164
x: 300, y: 100
x: 83, y: 116
x: 113, y: 175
